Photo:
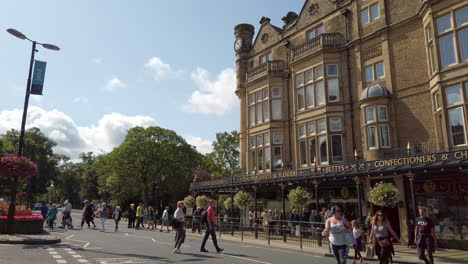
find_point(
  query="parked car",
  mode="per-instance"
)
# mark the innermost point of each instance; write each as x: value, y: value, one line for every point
x: 38, y: 206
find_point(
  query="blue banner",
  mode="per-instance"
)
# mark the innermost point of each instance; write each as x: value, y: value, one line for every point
x: 38, y: 77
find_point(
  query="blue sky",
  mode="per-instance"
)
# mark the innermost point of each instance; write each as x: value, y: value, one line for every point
x: 126, y: 63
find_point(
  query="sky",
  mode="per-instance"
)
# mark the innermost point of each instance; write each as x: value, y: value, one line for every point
x: 127, y: 63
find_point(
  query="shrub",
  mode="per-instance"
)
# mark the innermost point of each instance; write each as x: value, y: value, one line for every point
x: 298, y: 197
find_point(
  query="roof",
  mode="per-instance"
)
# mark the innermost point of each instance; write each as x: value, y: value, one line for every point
x: 374, y: 91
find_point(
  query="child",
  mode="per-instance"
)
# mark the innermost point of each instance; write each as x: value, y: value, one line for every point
x: 51, y: 216
x: 358, y: 246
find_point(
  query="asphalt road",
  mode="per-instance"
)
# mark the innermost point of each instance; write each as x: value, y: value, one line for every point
x: 143, y: 246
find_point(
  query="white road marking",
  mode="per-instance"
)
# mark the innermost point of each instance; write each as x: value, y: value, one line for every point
x: 76, y: 256
x: 57, y: 256
x: 82, y: 261
x: 50, y: 249
x: 61, y: 261
x: 252, y: 260
x: 53, y: 252
x: 86, y: 242
x: 126, y: 261
x: 67, y: 249
x: 71, y: 252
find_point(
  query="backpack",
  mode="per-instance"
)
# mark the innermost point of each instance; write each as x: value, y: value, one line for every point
x: 204, y: 217
x: 175, y: 223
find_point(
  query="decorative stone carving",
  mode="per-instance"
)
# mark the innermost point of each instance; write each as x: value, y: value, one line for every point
x: 313, y: 9
x: 264, y: 37
x: 372, y: 53
x: 337, y: 2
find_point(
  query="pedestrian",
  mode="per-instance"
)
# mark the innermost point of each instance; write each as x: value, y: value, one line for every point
x: 336, y: 228
x: 131, y: 216
x: 165, y: 219
x: 139, y: 215
x: 44, y: 210
x: 380, y: 235
x: 117, y: 217
x: 179, y: 223
x: 196, y: 220
x: 210, y: 223
x: 251, y: 217
x: 66, y: 215
x: 150, y: 222
x: 294, y: 219
x: 424, y: 236
x: 102, y: 214
x: 51, y: 216
x: 358, y: 246
x: 88, y: 214
x: 368, y: 222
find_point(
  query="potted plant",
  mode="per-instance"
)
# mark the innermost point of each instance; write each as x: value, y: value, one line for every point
x: 202, y: 201
x: 189, y: 201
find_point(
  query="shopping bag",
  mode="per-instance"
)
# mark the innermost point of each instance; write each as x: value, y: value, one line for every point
x: 370, y: 251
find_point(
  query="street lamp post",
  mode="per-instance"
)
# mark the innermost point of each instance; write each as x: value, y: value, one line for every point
x: 14, y: 188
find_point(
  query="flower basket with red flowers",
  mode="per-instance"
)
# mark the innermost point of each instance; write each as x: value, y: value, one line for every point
x: 14, y: 166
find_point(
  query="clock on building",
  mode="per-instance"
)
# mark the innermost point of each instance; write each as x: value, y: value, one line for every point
x: 238, y: 44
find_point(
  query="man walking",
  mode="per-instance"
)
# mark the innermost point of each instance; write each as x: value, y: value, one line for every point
x: 165, y: 219
x: 424, y: 237
x: 196, y: 221
x: 139, y: 215
x: 210, y: 228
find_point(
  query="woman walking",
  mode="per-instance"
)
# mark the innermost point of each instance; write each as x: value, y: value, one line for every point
x: 131, y: 216
x: 179, y: 227
x: 117, y: 217
x: 103, y: 216
x: 51, y: 216
x: 380, y: 235
x: 336, y: 227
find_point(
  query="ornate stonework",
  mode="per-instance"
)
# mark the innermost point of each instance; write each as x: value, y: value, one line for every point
x: 313, y: 9
x: 264, y: 37
x: 372, y: 53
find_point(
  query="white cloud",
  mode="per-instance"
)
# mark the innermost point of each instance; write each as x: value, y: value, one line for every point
x: 203, y: 146
x: 213, y: 96
x: 72, y: 139
x: 81, y: 100
x: 98, y: 61
x: 113, y: 84
x: 160, y: 69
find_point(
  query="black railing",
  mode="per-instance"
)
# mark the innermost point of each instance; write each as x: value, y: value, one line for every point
x: 271, y: 231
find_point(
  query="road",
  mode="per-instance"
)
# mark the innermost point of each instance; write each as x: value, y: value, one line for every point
x: 143, y: 246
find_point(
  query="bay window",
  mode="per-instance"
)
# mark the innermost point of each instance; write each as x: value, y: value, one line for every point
x: 452, y: 35
x: 377, y: 128
x: 456, y: 102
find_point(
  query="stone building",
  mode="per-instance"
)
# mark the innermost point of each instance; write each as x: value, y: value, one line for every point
x: 348, y: 93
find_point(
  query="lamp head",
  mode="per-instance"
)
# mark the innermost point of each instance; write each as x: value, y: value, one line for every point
x: 50, y: 46
x: 16, y: 33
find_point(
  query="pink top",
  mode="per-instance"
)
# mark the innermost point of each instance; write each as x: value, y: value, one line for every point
x: 211, y: 214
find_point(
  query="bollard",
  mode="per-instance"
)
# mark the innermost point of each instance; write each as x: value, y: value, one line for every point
x: 300, y: 236
x: 242, y: 229
x: 268, y: 230
x: 284, y: 233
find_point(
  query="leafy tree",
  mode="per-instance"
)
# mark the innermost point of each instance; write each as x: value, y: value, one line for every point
x: 90, y: 190
x: 225, y: 155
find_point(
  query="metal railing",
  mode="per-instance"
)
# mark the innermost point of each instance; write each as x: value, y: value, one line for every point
x: 323, y: 41
x: 414, y: 149
x: 280, y: 232
x: 274, y: 66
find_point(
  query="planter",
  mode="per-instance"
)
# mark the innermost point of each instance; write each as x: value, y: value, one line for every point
x: 24, y: 226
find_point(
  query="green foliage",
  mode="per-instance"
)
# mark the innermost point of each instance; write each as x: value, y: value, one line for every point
x: 227, y: 203
x: 202, y: 201
x: 243, y: 199
x: 225, y: 155
x: 298, y: 197
x: 384, y: 194
x: 189, y: 201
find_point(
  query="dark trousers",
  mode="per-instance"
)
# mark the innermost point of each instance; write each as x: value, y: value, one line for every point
x: 341, y: 253
x: 140, y: 222
x: 131, y: 222
x: 180, y: 236
x: 87, y: 222
x: 196, y: 226
x: 213, y: 236
x: 116, y: 224
x: 423, y: 244
x: 51, y: 224
x: 383, y: 254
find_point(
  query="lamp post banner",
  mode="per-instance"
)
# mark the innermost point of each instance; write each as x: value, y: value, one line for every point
x: 38, y: 77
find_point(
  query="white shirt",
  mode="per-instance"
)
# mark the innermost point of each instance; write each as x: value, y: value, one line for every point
x: 179, y: 215
x: 357, y: 232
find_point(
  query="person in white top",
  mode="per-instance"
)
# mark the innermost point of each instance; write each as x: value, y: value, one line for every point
x: 358, y: 245
x: 179, y: 227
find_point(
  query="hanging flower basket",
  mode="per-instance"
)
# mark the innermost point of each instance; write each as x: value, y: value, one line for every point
x: 384, y: 194
x: 243, y: 199
x: 14, y: 166
x: 189, y: 201
x: 298, y: 197
x: 202, y: 201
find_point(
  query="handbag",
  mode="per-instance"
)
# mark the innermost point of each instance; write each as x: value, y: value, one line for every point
x: 370, y: 253
x: 384, y: 243
x: 349, y: 239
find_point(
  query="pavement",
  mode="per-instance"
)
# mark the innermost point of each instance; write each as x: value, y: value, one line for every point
x: 29, y: 239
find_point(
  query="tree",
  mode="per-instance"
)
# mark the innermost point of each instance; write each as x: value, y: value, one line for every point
x: 225, y: 155
x: 90, y: 190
